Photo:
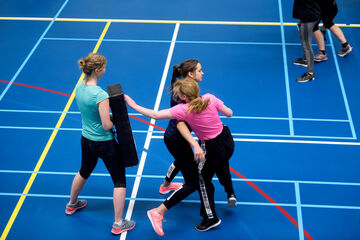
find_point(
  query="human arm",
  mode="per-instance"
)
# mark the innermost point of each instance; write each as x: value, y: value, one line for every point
x: 226, y: 111
x: 104, y: 111
x: 158, y: 115
x: 185, y: 132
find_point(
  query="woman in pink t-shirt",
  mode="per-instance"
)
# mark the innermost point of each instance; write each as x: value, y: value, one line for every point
x: 217, y: 144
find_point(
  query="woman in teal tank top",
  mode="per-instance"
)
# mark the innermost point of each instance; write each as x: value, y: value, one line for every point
x: 97, y: 141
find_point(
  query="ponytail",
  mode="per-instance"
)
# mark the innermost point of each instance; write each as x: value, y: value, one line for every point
x: 189, y: 88
x: 198, y: 105
x: 182, y: 70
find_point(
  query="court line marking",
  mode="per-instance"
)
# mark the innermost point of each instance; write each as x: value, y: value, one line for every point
x: 48, y: 145
x: 161, y: 132
x: 179, y: 41
x: 35, y: 87
x: 180, y: 177
x: 266, y: 196
x: 298, y: 210
x: 151, y: 127
x: 142, y: 120
x: 286, y: 71
x: 163, y: 21
x: 342, y: 87
x: 186, y: 201
x: 32, y: 51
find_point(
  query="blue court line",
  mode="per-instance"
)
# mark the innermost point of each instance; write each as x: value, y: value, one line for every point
x: 286, y: 72
x: 185, y: 201
x: 161, y: 132
x: 37, y: 111
x: 32, y: 51
x: 342, y: 86
x: 178, y: 41
x: 298, y: 209
x: 179, y: 177
x: 233, y: 117
x: 291, y: 136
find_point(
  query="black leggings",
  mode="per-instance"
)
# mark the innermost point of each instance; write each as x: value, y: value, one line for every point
x: 181, y: 150
x: 218, y: 153
x: 109, y: 152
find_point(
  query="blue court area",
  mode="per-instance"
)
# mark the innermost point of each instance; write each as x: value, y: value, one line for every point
x: 295, y: 168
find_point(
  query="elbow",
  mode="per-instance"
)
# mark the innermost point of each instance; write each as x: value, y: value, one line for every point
x: 107, y: 126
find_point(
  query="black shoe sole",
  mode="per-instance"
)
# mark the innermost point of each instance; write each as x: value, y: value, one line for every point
x: 312, y: 79
x: 210, y: 227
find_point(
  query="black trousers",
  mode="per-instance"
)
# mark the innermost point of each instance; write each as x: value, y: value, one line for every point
x: 218, y: 152
x: 108, y: 151
x: 182, y: 152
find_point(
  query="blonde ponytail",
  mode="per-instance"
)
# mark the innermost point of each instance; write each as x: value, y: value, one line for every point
x: 189, y: 88
x: 198, y: 105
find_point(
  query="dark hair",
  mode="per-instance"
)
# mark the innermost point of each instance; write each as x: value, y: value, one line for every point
x: 92, y: 62
x: 182, y: 70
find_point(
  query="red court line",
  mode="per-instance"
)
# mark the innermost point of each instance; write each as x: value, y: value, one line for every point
x: 39, y: 88
x: 142, y: 120
x: 281, y: 209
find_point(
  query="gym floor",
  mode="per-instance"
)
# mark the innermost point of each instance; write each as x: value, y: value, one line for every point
x: 295, y: 168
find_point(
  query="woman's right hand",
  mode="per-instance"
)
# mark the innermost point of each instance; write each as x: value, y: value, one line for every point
x: 199, y: 155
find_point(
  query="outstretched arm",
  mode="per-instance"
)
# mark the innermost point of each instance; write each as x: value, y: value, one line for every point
x: 158, y: 115
x: 226, y: 111
x: 185, y: 132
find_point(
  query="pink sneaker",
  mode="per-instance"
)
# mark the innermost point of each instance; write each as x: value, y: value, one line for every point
x: 156, y: 220
x: 72, y: 208
x: 171, y: 187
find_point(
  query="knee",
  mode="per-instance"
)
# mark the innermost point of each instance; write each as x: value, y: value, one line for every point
x: 84, y: 174
x: 328, y: 25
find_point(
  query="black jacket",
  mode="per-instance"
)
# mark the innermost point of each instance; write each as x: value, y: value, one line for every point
x: 307, y: 10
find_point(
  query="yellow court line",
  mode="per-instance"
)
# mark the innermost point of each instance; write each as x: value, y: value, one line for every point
x: 47, y: 147
x: 164, y: 21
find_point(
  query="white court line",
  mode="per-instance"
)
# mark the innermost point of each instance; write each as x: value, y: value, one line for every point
x: 149, y: 135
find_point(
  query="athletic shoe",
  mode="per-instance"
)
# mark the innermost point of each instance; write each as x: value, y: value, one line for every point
x: 231, y: 201
x: 156, y: 220
x: 345, y: 51
x: 306, y: 77
x: 125, y: 225
x: 320, y: 57
x: 300, y: 62
x: 72, y: 208
x: 171, y: 187
x: 207, y: 224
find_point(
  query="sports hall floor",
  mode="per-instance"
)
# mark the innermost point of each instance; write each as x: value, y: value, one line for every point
x: 296, y: 163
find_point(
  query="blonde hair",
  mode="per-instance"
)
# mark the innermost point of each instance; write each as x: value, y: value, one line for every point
x: 189, y: 88
x: 92, y: 62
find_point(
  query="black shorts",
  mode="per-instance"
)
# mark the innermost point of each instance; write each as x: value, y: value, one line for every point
x: 109, y: 152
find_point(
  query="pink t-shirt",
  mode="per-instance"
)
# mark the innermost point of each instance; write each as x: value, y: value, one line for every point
x: 207, y: 124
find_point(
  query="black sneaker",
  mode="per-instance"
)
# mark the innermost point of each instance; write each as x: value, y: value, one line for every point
x: 207, y: 224
x: 231, y: 201
x: 306, y: 77
x: 345, y: 51
x: 300, y: 62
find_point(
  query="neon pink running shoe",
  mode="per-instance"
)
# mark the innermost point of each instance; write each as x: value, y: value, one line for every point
x: 171, y: 187
x: 156, y: 220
